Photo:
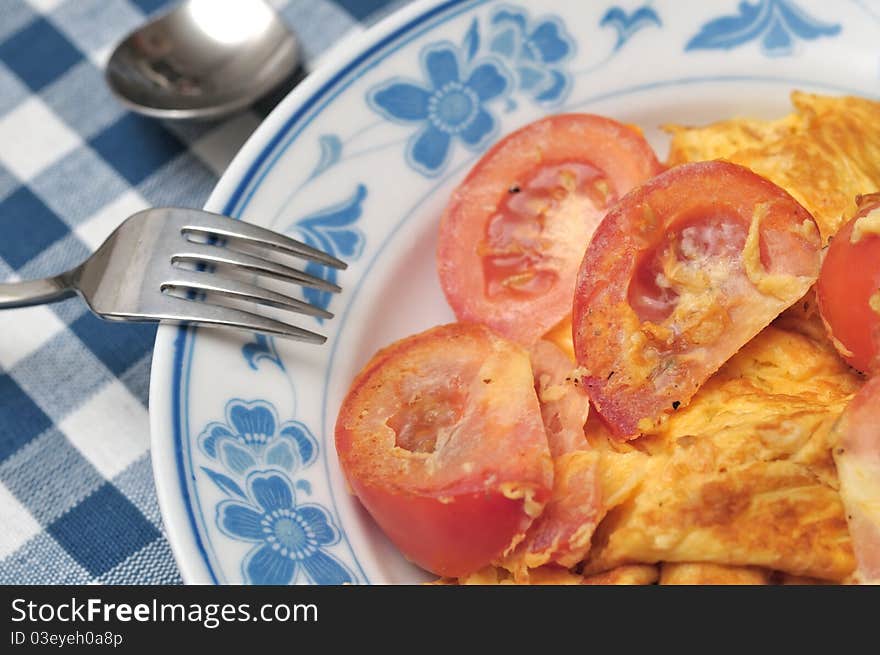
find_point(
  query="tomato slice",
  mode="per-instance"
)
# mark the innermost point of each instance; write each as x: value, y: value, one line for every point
x: 683, y: 272
x: 849, y: 286
x: 561, y: 535
x: 515, y: 230
x: 441, y: 439
x: 857, y: 456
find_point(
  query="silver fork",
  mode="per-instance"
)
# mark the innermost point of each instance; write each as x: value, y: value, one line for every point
x: 136, y: 274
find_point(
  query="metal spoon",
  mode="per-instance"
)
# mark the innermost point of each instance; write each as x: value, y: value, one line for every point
x: 203, y: 59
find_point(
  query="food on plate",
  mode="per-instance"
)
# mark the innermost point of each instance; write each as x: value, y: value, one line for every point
x: 560, y: 336
x: 686, y: 408
x: 857, y: 455
x: 634, y: 574
x: 743, y: 476
x: 441, y: 438
x: 491, y: 575
x: 514, y: 230
x: 690, y: 573
x: 561, y: 534
x: 564, y: 405
x: 680, y: 274
x: 824, y: 154
x: 850, y: 304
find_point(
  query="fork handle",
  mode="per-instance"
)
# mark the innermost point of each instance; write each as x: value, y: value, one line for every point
x: 35, y: 292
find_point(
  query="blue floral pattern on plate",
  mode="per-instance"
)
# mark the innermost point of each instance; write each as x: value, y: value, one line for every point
x: 332, y: 230
x: 627, y: 24
x: 450, y: 105
x: 252, y: 435
x: 257, y: 453
x: 520, y: 54
x: 535, y: 50
x: 775, y: 22
x: 331, y: 150
x: 288, y: 537
x: 261, y: 348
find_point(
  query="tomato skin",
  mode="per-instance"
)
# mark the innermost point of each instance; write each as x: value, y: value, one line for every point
x: 449, y: 539
x: 616, y: 152
x: 850, y: 275
x: 646, y: 347
x: 455, y: 505
x: 857, y: 458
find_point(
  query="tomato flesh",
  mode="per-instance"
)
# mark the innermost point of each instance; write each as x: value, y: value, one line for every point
x: 441, y: 439
x: 520, y: 237
x: 514, y: 231
x: 417, y: 424
x: 690, y: 245
x: 681, y: 273
x: 849, y: 278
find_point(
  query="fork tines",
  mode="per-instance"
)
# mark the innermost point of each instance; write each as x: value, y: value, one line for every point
x: 190, y: 310
x: 223, y: 227
x: 216, y: 255
x: 190, y: 286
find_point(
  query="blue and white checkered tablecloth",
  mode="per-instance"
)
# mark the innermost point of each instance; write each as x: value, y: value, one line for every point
x: 77, y: 501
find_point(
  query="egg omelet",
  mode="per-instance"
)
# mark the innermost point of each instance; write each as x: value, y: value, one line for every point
x: 824, y: 154
x: 740, y: 486
x: 694, y: 573
x: 744, y: 475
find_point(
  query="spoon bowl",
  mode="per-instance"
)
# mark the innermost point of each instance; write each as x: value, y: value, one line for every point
x: 203, y: 59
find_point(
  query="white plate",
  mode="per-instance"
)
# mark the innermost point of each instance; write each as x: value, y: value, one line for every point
x: 360, y: 163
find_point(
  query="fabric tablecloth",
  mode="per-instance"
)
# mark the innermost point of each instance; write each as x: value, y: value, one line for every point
x: 77, y: 501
